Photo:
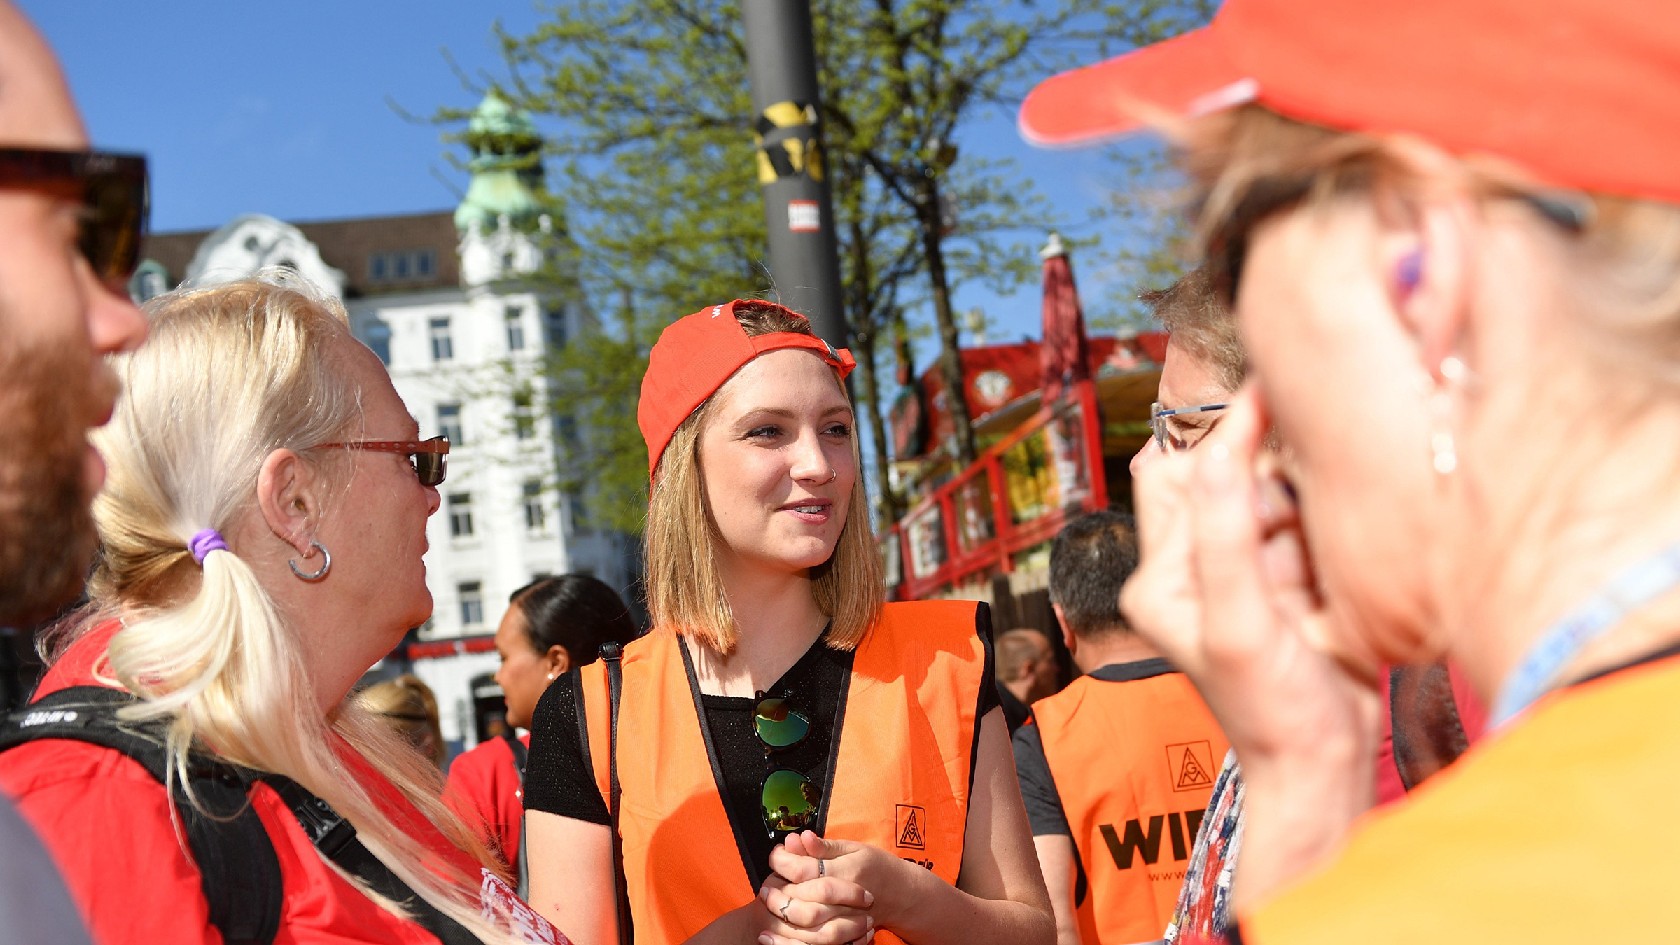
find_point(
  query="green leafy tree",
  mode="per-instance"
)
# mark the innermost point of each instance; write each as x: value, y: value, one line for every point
x: 649, y: 117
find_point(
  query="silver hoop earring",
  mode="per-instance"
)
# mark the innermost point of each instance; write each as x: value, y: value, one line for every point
x: 313, y: 576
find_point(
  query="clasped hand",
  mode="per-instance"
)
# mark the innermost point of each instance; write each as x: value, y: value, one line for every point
x: 817, y: 894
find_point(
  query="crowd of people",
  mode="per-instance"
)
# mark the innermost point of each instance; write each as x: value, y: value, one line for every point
x: 1385, y: 649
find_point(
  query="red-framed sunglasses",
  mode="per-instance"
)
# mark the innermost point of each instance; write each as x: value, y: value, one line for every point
x: 115, y: 201
x: 426, y: 456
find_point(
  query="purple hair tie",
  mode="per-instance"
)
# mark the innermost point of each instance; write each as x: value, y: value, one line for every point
x: 205, y: 542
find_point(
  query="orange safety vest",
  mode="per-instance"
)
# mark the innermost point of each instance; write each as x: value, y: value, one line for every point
x: 906, y: 745
x: 1134, y: 763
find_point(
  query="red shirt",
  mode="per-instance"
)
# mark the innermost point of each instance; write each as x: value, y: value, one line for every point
x: 484, y: 789
x: 107, y: 823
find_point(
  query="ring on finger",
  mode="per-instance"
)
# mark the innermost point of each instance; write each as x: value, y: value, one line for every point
x: 820, y: 871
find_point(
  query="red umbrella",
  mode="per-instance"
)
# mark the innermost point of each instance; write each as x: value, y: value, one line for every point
x: 1065, y: 352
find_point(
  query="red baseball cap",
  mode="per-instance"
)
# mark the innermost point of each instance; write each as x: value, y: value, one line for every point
x: 697, y: 354
x: 1582, y: 93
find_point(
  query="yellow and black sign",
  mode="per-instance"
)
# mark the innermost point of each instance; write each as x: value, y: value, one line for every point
x: 795, y: 150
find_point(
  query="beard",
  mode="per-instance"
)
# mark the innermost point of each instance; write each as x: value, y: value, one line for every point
x: 47, y: 537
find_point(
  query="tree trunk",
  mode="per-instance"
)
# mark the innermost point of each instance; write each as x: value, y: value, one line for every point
x: 950, y: 356
x: 865, y: 331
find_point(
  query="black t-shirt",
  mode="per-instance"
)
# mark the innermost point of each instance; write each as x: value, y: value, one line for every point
x: 559, y: 779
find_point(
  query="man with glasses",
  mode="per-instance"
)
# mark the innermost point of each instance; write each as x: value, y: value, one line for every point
x: 1203, y: 368
x: 70, y: 227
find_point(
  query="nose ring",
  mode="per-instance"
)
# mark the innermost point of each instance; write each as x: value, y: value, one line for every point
x: 833, y: 474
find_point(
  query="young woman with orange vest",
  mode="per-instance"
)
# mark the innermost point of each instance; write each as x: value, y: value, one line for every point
x: 784, y: 758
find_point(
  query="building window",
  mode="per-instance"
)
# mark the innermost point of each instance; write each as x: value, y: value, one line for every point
x: 575, y: 509
x: 524, y: 419
x: 535, y: 515
x: 460, y: 515
x: 565, y: 430
x: 402, y: 265
x: 515, y: 328
x: 554, y: 324
x: 443, y: 349
x: 471, y: 594
x: 507, y: 263
x: 449, y: 424
x: 379, y: 339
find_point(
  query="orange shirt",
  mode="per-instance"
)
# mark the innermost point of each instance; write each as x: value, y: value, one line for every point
x: 1551, y: 831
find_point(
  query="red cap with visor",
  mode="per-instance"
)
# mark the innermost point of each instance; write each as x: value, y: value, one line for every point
x: 1583, y: 94
x: 697, y: 354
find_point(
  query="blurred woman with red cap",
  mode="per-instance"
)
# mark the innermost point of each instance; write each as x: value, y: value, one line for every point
x: 1450, y: 231
x: 784, y: 758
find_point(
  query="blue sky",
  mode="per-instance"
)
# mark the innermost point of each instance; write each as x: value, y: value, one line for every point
x: 288, y: 109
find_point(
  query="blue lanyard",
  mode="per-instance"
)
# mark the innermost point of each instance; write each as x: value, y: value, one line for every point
x: 1633, y: 588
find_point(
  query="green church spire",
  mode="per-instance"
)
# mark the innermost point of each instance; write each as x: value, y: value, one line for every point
x: 506, y: 165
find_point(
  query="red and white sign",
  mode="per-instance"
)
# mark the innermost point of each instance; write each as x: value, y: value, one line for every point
x: 804, y: 217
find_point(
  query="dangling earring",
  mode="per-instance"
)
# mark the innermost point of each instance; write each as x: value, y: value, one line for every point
x: 1443, y: 450
x: 313, y: 576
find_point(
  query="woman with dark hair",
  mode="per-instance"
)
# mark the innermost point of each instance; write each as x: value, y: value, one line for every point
x: 552, y: 624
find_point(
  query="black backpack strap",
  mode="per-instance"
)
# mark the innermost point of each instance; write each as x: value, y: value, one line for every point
x: 336, y: 840
x: 237, y: 866
x: 613, y: 655
x: 522, y: 869
x: 519, y: 754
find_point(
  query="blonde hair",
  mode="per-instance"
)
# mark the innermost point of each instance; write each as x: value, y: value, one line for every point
x: 228, y: 375
x: 1618, y: 277
x: 1623, y: 267
x: 410, y: 707
x: 684, y: 587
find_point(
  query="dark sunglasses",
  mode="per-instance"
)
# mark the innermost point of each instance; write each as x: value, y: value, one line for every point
x: 789, y: 798
x: 115, y: 201
x: 1227, y: 245
x: 428, y: 457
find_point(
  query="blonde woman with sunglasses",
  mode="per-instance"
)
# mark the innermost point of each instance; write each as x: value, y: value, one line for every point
x: 262, y: 526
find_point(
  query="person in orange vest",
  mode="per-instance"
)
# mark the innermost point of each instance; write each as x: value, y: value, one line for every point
x: 1450, y: 231
x: 551, y: 625
x: 1117, y: 768
x: 783, y: 758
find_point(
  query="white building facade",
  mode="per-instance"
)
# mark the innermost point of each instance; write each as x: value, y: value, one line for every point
x: 464, y: 308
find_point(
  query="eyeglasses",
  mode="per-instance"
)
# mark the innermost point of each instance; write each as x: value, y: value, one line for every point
x: 426, y: 456
x: 1165, y: 438
x: 1227, y: 244
x: 789, y: 798
x: 115, y: 201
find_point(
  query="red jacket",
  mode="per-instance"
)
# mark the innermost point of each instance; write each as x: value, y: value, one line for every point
x: 107, y: 823
x: 484, y: 788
